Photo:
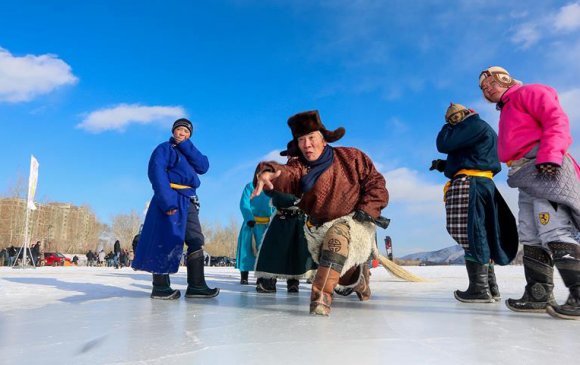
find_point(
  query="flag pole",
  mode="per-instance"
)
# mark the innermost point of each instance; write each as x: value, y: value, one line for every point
x: 32, y: 181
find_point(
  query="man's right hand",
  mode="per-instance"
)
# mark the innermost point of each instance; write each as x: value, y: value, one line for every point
x: 264, y: 180
x: 438, y: 165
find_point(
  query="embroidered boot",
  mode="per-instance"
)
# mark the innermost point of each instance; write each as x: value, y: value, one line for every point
x: 567, y: 260
x: 355, y: 280
x: 324, y: 282
x: 539, y: 271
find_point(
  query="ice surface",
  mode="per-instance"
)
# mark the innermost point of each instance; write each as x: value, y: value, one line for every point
x: 105, y: 316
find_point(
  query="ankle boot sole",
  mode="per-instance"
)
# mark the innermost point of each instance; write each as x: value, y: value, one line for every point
x: 175, y: 295
x: 552, y: 311
x: 203, y: 295
x: 463, y: 300
x: 320, y: 310
x: 523, y: 310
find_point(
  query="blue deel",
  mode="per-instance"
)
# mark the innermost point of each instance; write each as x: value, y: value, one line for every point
x: 161, y: 243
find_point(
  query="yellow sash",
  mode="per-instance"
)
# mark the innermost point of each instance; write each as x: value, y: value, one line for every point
x: 262, y: 220
x: 179, y: 187
x: 478, y: 173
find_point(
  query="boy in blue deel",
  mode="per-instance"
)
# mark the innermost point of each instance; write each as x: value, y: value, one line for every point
x: 173, y: 217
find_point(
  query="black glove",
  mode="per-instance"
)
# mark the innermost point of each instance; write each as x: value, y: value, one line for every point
x: 362, y: 217
x: 438, y: 165
x: 251, y: 224
x: 548, y: 169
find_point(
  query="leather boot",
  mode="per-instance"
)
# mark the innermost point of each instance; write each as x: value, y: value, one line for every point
x: 355, y: 280
x: 196, y: 285
x: 363, y: 290
x: 478, y: 290
x: 567, y: 261
x: 324, y: 282
x: 347, y: 282
x: 162, y: 288
x: 539, y: 271
x: 244, y: 277
x: 493, y: 288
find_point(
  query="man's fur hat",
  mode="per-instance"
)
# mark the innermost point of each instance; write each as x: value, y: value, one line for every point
x: 308, y: 122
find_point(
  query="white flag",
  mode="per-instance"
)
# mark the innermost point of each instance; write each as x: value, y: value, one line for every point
x: 32, y: 181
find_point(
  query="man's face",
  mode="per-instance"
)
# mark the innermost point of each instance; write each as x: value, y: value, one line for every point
x: 311, y: 145
x: 180, y: 134
x: 492, y: 90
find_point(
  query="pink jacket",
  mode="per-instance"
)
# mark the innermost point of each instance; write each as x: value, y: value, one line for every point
x: 532, y: 114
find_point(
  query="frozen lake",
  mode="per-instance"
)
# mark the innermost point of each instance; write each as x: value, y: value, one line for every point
x: 105, y: 316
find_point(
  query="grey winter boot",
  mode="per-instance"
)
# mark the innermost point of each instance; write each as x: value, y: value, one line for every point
x: 478, y: 290
x: 567, y: 260
x: 162, y: 288
x: 493, y: 288
x: 196, y: 285
x: 539, y: 271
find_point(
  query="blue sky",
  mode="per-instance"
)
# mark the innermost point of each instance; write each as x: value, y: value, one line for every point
x: 91, y: 87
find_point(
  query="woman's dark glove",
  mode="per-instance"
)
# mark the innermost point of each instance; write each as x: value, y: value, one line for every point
x: 548, y: 169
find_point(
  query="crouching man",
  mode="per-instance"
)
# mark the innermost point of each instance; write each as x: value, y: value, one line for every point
x: 342, y: 193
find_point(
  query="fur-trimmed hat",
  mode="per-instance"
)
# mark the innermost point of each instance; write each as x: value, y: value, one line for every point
x: 182, y: 122
x: 500, y: 75
x: 457, y: 113
x: 308, y: 122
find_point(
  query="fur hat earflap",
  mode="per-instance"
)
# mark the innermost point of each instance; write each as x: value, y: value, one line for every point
x: 457, y: 113
x: 500, y: 74
x: 291, y: 150
x: 308, y: 122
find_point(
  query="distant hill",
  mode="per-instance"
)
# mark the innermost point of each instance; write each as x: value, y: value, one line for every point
x: 452, y: 255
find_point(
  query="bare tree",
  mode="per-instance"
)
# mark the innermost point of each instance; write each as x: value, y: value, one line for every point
x: 17, y: 187
x: 125, y: 226
x: 221, y: 240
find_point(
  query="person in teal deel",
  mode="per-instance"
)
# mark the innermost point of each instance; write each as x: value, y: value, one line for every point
x: 256, y: 213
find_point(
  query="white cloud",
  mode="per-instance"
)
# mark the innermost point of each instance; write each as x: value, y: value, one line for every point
x: 568, y: 18
x: 274, y: 156
x: 569, y: 100
x: 526, y: 35
x: 121, y: 116
x: 406, y: 185
x: 565, y: 19
x: 24, y: 78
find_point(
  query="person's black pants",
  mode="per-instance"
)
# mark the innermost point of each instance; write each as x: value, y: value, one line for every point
x: 193, y: 236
